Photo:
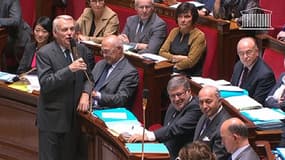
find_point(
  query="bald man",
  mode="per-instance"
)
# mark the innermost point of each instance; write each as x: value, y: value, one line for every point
x: 251, y: 72
x: 115, y: 79
x: 234, y: 135
x: 208, y: 127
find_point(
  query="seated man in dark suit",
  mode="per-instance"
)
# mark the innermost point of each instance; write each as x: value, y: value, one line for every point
x: 208, y: 127
x: 234, y: 135
x: 145, y: 32
x: 276, y: 97
x: 251, y: 72
x: 180, y: 120
x: 19, y: 32
x: 115, y: 79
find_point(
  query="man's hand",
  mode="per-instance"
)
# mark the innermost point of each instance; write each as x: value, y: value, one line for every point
x: 137, y: 138
x: 141, y: 46
x: 83, y: 104
x: 78, y: 65
x: 124, y: 38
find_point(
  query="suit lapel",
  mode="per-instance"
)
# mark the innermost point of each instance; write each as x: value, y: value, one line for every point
x: 116, y: 71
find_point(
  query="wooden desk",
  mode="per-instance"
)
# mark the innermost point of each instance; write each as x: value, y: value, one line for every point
x: 19, y: 135
x: 3, y: 42
x: 273, y: 136
x: 156, y: 77
x: 267, y: 41
x: 228, y: 36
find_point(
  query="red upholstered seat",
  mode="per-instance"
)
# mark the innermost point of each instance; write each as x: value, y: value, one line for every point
x: 123, y: 14
x: 210, y: 67
x: 28, y: 11
x: 171, y: 23
x: 275, y: 60
x: 137, y: 107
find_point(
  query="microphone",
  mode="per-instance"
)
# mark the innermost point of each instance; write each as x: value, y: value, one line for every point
x: 76, y: 56
x: 145, y: 96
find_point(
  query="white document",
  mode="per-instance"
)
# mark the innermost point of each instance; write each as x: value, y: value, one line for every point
x: 154, y: 57
x: 243, y: 102
x: 128, y: 126
x: 91, y: 43
x: 34, y: 83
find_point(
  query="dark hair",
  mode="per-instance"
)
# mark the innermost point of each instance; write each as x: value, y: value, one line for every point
x: 197, y: 150
x: 185, y: 7
x: 46, y: 23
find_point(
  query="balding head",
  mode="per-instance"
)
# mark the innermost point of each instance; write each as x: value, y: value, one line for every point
x: 247, y: 51
x: 112, y: 48
x: 209, y: 100
x: 234, y: 134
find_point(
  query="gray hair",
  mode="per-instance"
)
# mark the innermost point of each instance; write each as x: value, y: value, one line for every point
x: 58, y: 19
x: 136, y: 2
x: 178, y: 81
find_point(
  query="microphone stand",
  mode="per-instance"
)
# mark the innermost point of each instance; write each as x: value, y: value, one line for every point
x: 76, y: 56
x: 145, y: 95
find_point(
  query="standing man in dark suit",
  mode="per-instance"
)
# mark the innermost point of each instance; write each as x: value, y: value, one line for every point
x: 146, y: 31
x: 19, y: 32
x: 251, y: 72
x: 61, y: 79
x: 234, y: 135
x: 208, y: 127
x: 116, y: 80
x: 180, y: 120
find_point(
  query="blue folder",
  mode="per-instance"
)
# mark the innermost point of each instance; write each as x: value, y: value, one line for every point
x: 129, y: 115
x: 148, y: 148
x: 226, y: 94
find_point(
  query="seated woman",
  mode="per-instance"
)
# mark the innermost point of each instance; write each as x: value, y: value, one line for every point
x: 97, y: 22
x: 42, y: 30
x: 196, y: 151
x: 276, y: 97
x: 185, y: 45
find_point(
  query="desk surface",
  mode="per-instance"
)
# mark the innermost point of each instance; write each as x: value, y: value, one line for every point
x: 19, y: 135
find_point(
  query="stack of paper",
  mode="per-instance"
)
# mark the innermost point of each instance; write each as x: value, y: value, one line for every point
x: 243, y: 102
x: 265, y: 118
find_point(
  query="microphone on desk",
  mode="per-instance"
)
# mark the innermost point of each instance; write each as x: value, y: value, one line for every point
x: 21, y: 76
x: 75, y: 55
x: 145, y: 96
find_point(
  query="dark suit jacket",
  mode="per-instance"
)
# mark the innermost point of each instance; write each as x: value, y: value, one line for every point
x: 119, y: 88
x: 60, y: 88
x: 11, y: 18
x: 26, y: 61
x: 179, y: 127
x: 153, y: 34
x: 270, y: 101
x: 247, y: 154
x: 259, y: 82
x: 212, y: 135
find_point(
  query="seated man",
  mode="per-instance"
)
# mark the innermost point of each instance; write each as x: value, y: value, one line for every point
x: 251, y: 72
x: 180, y: 120
x: 208, y: 127
x: 276, y: 97
x: 234, y: 135
x: 281, y: 35
x: 144, y: 32
x: 115, y: 79
x: 19, y: 32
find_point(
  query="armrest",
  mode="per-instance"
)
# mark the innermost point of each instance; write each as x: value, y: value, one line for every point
x: 265, y: 147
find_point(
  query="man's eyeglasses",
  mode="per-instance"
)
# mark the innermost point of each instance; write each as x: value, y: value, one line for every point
x: 97, y: 1
x: 247, y: 53
x: 181, y: 94
x: 147, y: 7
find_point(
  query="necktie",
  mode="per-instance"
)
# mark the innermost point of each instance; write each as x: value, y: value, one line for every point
x: 140, y: 27
x: 102, y: 78
x: 244, y: 76
x: 205, y: 125
x: 67, y: 56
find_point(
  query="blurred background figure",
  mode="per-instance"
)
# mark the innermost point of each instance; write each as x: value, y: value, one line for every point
x: 234, y: 135
x: 42, y: 33
x: 281, y: 34
x: 185, y: 45
x: 97, y: 22
x: 19, y: 33
x: 196, y: 151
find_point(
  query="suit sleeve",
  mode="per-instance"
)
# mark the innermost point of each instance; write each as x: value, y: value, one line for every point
x: 157, y: 38
x: 124, y: 92
x: 185, y: 125
x: 15, y: 15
